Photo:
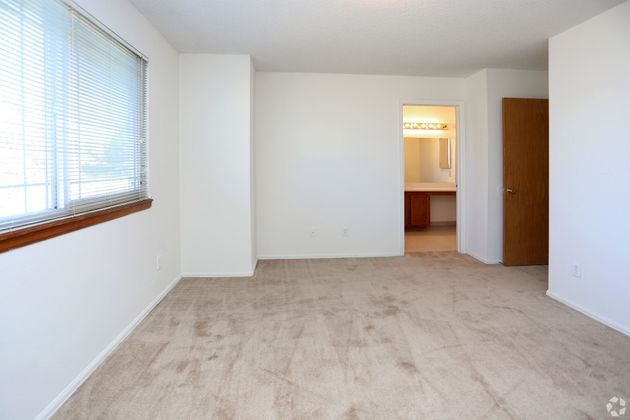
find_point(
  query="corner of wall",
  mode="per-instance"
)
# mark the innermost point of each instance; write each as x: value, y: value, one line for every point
x: 477, y: 164
x: 218, y: 164
x: 486, y: 89
x: 252, y: 142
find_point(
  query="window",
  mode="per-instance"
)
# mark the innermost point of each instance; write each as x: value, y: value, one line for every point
x: 72, y: 115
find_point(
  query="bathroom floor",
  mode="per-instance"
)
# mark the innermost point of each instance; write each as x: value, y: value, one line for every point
x: 433, y: 238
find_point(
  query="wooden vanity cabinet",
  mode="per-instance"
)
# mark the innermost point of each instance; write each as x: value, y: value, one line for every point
x: 417, y: 209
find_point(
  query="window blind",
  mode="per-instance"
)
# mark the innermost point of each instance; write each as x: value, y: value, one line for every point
x: 72, y: 115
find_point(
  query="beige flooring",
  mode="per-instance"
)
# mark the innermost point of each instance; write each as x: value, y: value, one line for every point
x: 427, y: 336
x: 433, y: 238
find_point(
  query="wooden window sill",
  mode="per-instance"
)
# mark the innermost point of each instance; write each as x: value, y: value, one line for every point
x: 31, y: 234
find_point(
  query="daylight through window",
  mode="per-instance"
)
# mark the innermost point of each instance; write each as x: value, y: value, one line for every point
x: 72, y: 115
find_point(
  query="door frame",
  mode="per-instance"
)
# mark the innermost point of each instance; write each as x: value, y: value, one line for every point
x: 460, y: 168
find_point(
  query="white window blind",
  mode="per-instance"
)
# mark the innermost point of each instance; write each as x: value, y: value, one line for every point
x: 72, y: 115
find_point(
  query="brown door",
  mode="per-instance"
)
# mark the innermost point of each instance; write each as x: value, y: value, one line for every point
x: 419, y: 209
x: 525, y: 181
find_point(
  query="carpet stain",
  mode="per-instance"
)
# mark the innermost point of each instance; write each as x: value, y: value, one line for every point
x: 408, y: 367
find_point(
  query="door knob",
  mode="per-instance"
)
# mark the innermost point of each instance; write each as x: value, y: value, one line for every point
x: 510, y: 190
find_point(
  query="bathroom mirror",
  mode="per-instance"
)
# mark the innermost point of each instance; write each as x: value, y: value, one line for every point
x: 445, y: 153
x: 429, y: 159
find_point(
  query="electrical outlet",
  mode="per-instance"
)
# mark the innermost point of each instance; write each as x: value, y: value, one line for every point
x: 158, y: 262
x: 346, y: 232
x: 577, y: 271
x: 313, y: 233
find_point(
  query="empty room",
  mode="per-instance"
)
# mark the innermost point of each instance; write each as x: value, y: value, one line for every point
x: 350, y: 209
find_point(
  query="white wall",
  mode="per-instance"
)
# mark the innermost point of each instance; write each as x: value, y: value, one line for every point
x: 216, y: 149
x: 589, y: 171
x: 443, y: 209
x: 329, y: 157
x: 422, y: 161
x: 430, y: 170
x: 64, y: 300
x: 486, y: 89
x: 477, y: 165
x: 412, y: 160
x: 252, y: 168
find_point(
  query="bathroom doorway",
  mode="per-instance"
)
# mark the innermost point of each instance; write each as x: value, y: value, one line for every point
x: 430, y: 161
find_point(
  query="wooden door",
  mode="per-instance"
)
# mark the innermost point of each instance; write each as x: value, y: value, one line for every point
x: 525, y: 181
x: 419, y: 209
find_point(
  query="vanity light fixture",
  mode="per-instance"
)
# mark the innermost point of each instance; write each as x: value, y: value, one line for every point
x: 424, y: 126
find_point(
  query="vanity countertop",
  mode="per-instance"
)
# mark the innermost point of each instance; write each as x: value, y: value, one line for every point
x: 430, y: 186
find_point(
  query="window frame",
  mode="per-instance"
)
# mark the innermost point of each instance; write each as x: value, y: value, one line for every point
x: 36, y: 226
x: 35, y: 233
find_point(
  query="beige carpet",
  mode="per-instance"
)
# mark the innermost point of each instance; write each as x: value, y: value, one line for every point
x: 426, y: 336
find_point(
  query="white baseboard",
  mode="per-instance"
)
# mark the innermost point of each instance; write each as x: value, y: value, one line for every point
x: 211, y: 274
x: 597, y: 317
x: 54, y: 405
x: 482, y: 259
x: 320, y: 256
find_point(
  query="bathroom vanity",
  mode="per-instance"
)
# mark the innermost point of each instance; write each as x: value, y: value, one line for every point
x: 418, y: 201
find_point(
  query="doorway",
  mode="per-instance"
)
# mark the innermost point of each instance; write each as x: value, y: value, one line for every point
x: 431, y: 151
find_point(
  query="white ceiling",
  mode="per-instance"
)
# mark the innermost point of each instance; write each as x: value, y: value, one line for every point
x: 405, y: 37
